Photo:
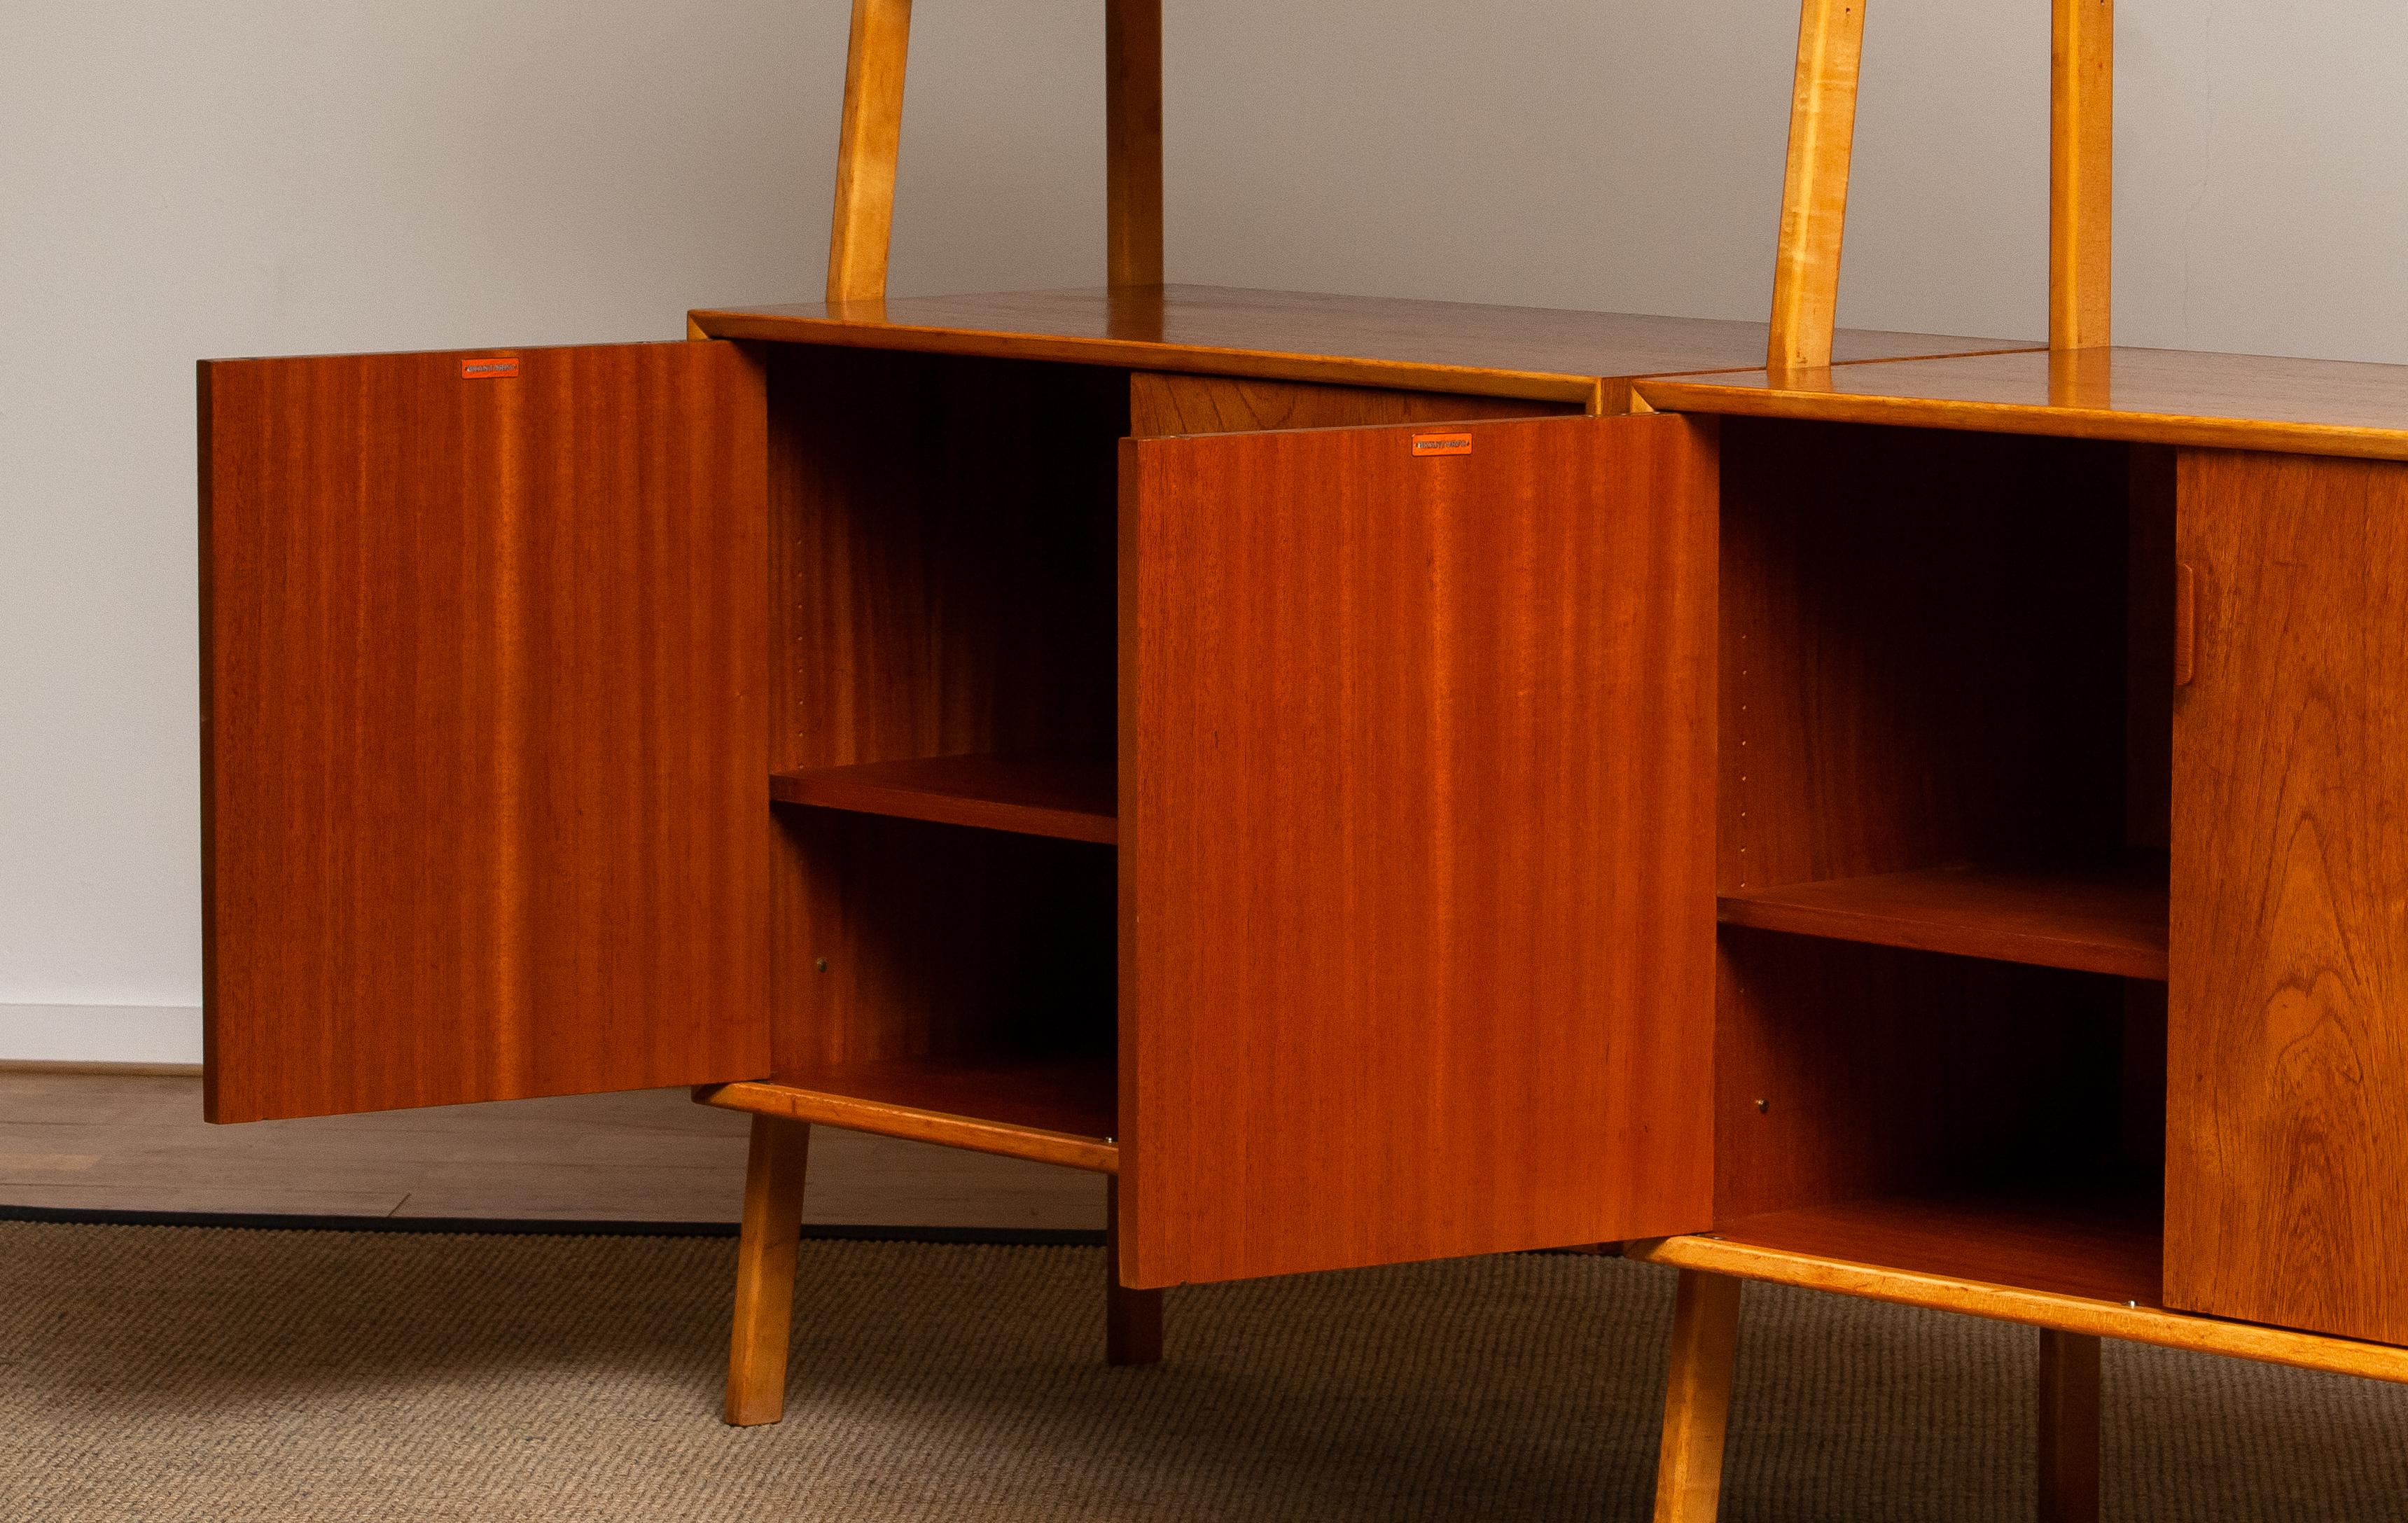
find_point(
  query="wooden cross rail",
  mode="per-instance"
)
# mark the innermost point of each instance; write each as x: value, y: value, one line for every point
x: 863, y: 227
x: 1822, y: 133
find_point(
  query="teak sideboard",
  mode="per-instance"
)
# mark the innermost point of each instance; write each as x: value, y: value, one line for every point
x: 1371, y: 824
x: 1260, y: 747
x: 1911, y: 816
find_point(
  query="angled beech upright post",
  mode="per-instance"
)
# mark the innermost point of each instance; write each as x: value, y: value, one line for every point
x: 863, y: 227
x: 1133, y: 141
x: 1815, y: 190
x: 2081, y: 174
x: 1822, y: 136
x: 861, y: 232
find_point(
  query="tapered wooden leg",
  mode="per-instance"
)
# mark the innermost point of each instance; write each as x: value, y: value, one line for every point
x: 1132, y: 1318
x: 1696, y: 1398
x: 2069, y: 1428
x: 764, y: 1272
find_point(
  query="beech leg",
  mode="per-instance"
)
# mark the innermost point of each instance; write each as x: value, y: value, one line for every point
x: 764, y: 1272
x: 2069, y: 1428
x: 1132, y: 1318
x: 1696, y: 1398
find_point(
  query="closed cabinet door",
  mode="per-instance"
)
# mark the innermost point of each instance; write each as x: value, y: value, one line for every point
x: 2286, y: 1146
x: 483, y: 735
x: 1416, y: 842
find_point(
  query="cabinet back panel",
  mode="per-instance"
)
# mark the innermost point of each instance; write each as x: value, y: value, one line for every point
x: 1175, y: 404
x: 943, y: 583
x: 1881, y: 1070
x: 939, y: 941
x: 941, y: 550
x: 1922, y: 641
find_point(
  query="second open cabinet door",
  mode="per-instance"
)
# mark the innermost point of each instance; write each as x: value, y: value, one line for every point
x: 484, y: 725
x: 1416, y: 833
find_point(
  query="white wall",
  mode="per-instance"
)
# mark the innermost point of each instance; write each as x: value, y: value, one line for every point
x: 193, y: 178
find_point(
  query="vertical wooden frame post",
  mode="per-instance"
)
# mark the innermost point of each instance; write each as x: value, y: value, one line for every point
x: 2069, y: 1428
x: 1696, y: 1398
x: 1132, y: 1318
x: 1814, y: 191
x: 1133, y: 141
x: 866, y: 150
x: 2081, y: 173
x: 1822, y: 135
x: 765, y: 1271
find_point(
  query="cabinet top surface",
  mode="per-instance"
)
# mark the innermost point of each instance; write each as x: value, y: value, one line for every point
x: 1537, y: 353
x: 2152, y: 395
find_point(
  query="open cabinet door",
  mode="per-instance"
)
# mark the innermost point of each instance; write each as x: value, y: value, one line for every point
x: 1416, y: 834
x: 483, y: 727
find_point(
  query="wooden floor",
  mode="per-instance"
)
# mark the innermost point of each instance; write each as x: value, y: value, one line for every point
x: 137, y: 1142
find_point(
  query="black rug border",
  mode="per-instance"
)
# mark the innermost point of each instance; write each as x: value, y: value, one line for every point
x: 1016, y: 1237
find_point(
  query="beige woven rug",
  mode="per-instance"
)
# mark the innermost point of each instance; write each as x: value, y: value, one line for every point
x: 166, y: 1374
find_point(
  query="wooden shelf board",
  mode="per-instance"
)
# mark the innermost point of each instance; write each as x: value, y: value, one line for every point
x: 1440, y: 346
x: 1071, y: 799
x: 2107, y: 918
x: 2100, y: 1246
x: 2145, y: 395
x: 1059, y: 1111
x: 2088, y: 1266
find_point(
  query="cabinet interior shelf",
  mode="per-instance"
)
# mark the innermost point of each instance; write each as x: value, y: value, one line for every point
x: 2100, y: 1244
x: 1036, y: 793
x: 2104, y: 917
x: 1059, y: 1110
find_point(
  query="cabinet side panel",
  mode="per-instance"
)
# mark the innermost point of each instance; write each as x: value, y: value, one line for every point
x: 2286, y: 1164
x: 1417, y: 841
x: 482, y: 707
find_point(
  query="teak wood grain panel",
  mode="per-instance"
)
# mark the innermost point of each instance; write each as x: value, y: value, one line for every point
x: 942, y: 565
x: 1439, y: 345
x: 482, y: 720
x: 1416, y: 915
x: 1177, y: 404
x: 2141, y: 396
x: 2286, y: 1167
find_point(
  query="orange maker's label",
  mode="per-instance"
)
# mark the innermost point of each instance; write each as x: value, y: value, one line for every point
x: 1441, y: 444
x: 494, y: 369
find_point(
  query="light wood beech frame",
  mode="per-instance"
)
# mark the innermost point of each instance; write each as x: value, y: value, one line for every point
x: 1698, y: 1394
x: 1822, y: 135
x: 761, y: 1335
x: 862, y: 228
